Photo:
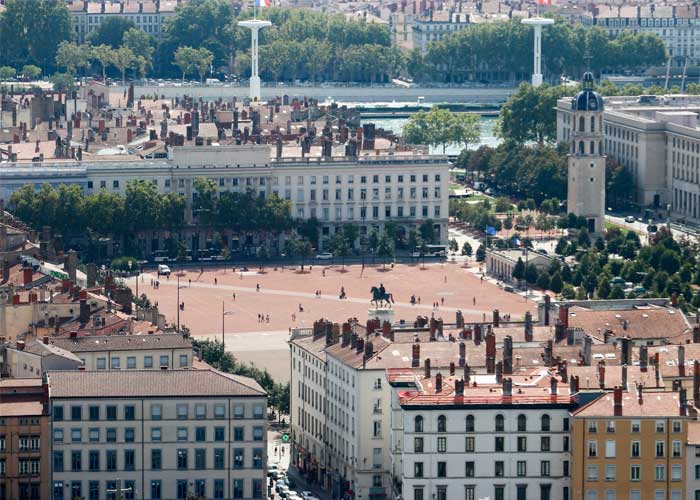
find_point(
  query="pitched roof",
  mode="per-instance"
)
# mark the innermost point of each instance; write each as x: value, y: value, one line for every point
x: 21, y: 409
x: 123, y: 342
x: 149, y: 383
x: 654, y: 404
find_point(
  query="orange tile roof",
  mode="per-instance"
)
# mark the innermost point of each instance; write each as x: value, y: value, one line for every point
x: 21, y: 409
x: 654, y: 404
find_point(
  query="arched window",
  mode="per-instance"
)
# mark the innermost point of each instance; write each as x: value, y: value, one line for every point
x: 442, y: 423
x: 545, y: 422
x: 469, y: 424
x: 522, y: 423
x: 500, y: 425
x: 581, y: 124
x: 581, y: 148
x: 592, y: 147
x: 418, y: 424
x: 592, y: 123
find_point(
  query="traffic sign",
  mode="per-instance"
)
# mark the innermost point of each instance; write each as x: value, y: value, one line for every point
x: 285, y: 437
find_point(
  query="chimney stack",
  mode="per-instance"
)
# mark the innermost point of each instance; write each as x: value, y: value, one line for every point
x: 696, y: 334
x: 415, y: 359
x: 438, y: 382
x: 507, y: 385
x: 626, y: 344
x: 462, y: 353
x: 553, y: 386
x: 617, y: 401
x: 427, y: 368
x: 640, y: 392
x: 696, y: 383
x: 601, y: 374
x: 624, y: 377
x: 683, y: 401
x: 467, y: 375
x: 564, y: 316
x: 643, y: 358
x: 508, y: 355
x: 459, y: 388
x: 452, y: 368
x: 528, y: 326
x: 547, y: 306
x: 681, y: 360
x: 496, y: 318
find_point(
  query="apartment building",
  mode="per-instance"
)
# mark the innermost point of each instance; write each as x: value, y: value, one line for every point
x: 435, y: 25
x: 24, y: 440
x: 148, y: 16
x: 631, y: 445
x: 452, y: 439
x: 129, y: 352
x: 367, y: 191
x: 157, y: 435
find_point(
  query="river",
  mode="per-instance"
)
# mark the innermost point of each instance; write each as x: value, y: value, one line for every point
x: 488, y: 132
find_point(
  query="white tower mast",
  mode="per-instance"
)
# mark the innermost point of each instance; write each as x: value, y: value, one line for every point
x: 537, y: 23
x: 255, y: 26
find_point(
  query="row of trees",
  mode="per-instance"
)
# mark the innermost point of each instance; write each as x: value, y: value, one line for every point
x: 316, y: 46
x: 441, y: 127
x: 507, y: 48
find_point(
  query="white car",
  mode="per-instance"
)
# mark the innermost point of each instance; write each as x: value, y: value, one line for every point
x: 306, y: 495
x: 163, y: 270
x: 324, y: 256
x: 284, y: 491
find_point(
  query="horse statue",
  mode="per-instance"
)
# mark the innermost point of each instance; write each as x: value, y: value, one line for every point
x: 380, y: 296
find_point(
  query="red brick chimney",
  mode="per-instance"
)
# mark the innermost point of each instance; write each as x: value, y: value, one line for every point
x: 564, y: 316
x: 415, y: 357
x: 438, y: 382
x: 617, y: 395
x: 27, y: 274
x: 601, y: 374
x: 427, y: 368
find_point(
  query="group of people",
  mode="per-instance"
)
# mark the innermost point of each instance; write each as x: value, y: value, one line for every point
x: 155, y: 283
x: 262, y: 318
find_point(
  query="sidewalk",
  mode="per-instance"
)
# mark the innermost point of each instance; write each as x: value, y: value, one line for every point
x: 303, y: 485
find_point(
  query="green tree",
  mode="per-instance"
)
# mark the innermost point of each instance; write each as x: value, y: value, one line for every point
x: 385, y: 248
x: 604, y: 290
x: 104, y: 55
x: 204, y: 60
x: 341, y: 247
x: 529, y: 115
x: 7, y: 72
x: 31, y: 72
x: 467, y: 249
x: 556, y: 284
x: 71, y: 56
x: 143, y: 46
x: 427, y: 231
x: 111, y: 31
x: 441, y: 127
x: 453, y: 245
x: 31, y: 31
x: 123, y: 58
x: 617, y: 293
x: 186, y: 59
x: 543, y: 281
x: 519, y: 270
x: 481, y: 253
x: 568, y: 292
x: 531, y: 274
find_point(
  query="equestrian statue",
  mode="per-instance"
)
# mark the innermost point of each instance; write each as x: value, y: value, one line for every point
x: 381, y: 296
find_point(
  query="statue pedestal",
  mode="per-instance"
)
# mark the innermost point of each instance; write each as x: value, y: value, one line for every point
x: 382, y: 314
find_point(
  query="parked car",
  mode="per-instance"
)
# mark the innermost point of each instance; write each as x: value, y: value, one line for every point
x: 629, y: 218
x: 324, y: 256
x: 163, y: 270
x: 271, y: 470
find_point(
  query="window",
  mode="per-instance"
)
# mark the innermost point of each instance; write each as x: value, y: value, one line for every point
x: 659, y: 449
x: 418, y: 445
x: 76, y: 435
x: 58, y: 435
x: 181, y: 489
x: 442, y: 469
x: 182, y: 412
x: 200, y: 411
x: 156, y: 412
x: 239, y: 411
x: 129, y: 434
x: 114, y: 363
x: 418, y: 469
x: 610, y: 472
x: 182, y: 459
x: 57, y: 413
x: 238, y: 458
x: 499, y: 492
x: 592, y: 474
x: 500, y: 423
x: 219, y: 411
x: 499, y: 443
x: 499, y: 468
x: 544, y: 443
x: 131, y: 362
x: 521, y: 492
x: 592, y: 448
x: 258, y: 433
x: 522, y: 423
x: 659, y: 473
x: 469, y: 423
x: 635, y: 426
x: 58, y: 462
x: 545, y: 421
x: 377, y: 429
x: 129, y: 412
x: 129, y: 459
x: 156, y: 459
x: 200, y: 459
x: 592, y: 426
x: 219, y: 458
x: 677, y: 426
x: 156, y: 434
x: 238, y: 488
x: 469, y: 444
x: 442, y: 423
x: 418, y: 424
x: 610, y: 427
x: 609, y: 448
x: 522, y: 443
x: 76, y: 460
x: 442, y: 444
x: 94, y: 412
x: 636, y: 446
x: 164, y: 360
x: 148, y: 361
x: 545, y: 468
x: 469, y: 469
x: 111, y: 459
x: 182, y: 434
x: 660, y: 426
x: 635, y: 472
x: 76, y: 412
x: 200, y: 434
x: 521, y: 468
x: 111, y: 412
x: 238, y: 434
x: 676, y: 449
x: 676, y: 472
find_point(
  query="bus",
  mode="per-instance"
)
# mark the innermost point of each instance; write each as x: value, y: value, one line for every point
x: 432, y: 251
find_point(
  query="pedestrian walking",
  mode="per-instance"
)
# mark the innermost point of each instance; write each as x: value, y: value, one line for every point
x: 234, y: 296
x: 215, y: 281
x: 257, y: 287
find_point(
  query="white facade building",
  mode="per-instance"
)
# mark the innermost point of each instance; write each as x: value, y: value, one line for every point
x: 157, y: 435
x: 435, y: 26
x: 367, y: 191
x: 480, y: 442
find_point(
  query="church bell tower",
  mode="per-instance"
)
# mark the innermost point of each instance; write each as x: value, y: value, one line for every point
x: 586, y: 184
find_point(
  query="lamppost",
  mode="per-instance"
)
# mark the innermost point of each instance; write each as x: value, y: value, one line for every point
x: 224, y: 313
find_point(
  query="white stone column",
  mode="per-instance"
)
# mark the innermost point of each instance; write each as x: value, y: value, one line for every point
x: 255, y: 25
x: 537, y: 23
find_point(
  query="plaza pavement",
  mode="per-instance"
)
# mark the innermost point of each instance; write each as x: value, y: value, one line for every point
x: 283, y: 290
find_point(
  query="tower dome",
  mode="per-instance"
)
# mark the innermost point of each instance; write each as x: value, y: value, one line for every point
x: 587, y: 99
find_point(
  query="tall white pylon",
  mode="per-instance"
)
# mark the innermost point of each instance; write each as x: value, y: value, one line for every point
x: 255, y: 26
x: 537, y: 23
